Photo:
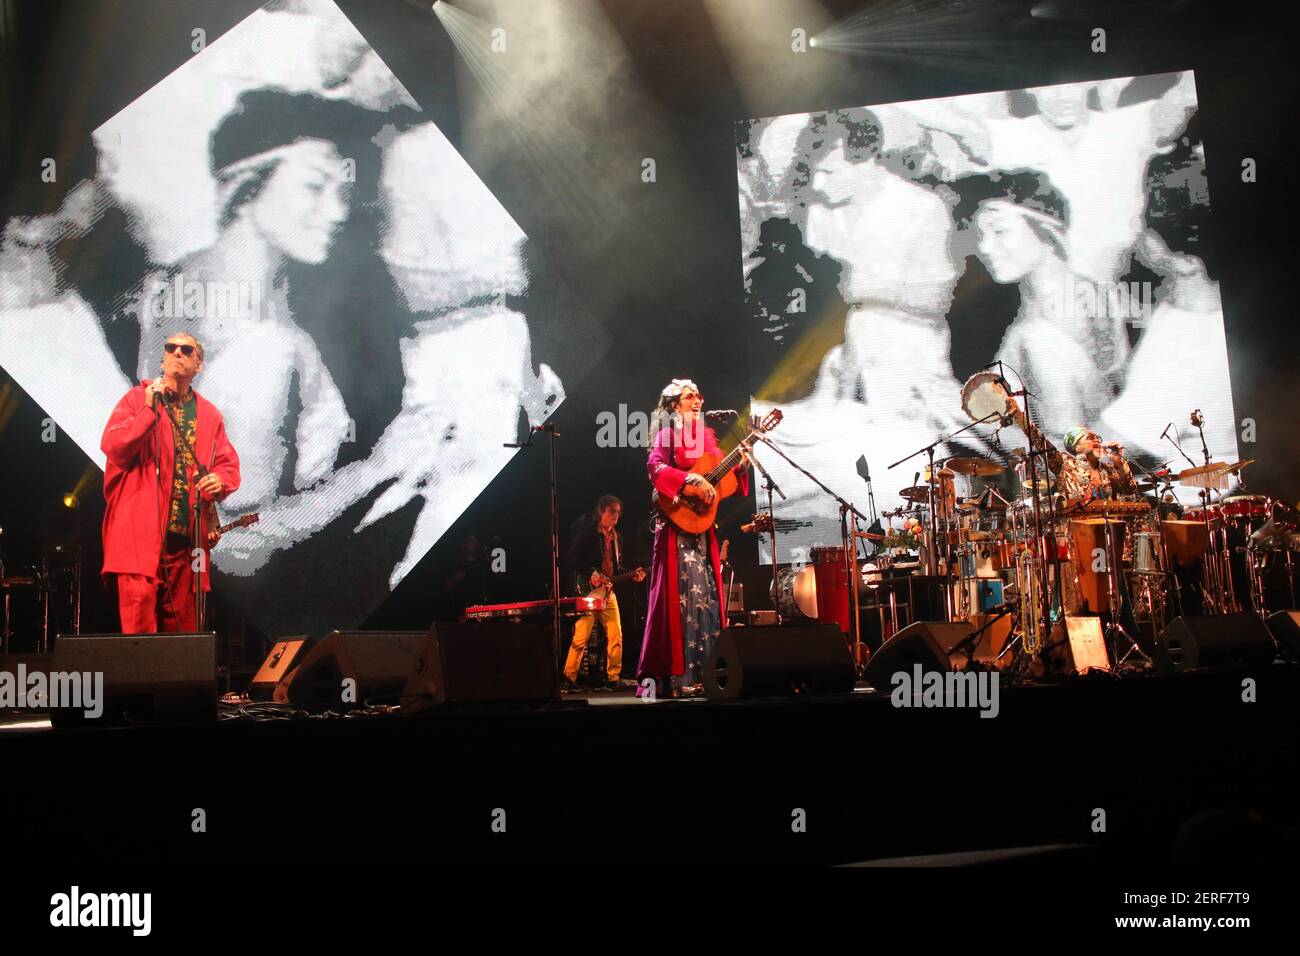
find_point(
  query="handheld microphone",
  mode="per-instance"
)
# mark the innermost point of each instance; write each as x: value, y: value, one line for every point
x: 718, y: 414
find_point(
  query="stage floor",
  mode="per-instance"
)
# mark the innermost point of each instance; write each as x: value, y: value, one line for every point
x: 1114, y: 770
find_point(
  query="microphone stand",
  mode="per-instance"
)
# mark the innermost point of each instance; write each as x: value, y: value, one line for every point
x: 933, y: 549
x: 549, y: 428
x: 1049, y: 565
x: 846, y: 508
x: 771, y: 486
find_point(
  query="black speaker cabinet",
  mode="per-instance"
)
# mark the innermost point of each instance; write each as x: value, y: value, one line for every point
x: 1285, y: 628
x: 1218, y: 641
x: 928, y: 643
x: 779, y: 662
x: 482, y: 662
x: 376, y: 663
x: 146, y: 677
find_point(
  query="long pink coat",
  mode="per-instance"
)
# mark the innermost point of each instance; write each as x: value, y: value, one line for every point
x: 137, y: 487
x: 670, y: 460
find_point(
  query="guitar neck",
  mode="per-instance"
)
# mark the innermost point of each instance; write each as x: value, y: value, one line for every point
x: 729, y: 462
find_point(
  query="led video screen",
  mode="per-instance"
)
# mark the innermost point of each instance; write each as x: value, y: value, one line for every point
x: 892, y: 252
x: 365, y: 304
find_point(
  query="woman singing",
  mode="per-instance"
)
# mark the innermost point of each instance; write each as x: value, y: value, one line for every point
x: 685, y: 614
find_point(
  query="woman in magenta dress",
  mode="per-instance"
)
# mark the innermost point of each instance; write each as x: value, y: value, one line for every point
x: 685, y: 614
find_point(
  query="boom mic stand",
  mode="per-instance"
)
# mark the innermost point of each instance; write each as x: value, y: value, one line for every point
x: 850, y: 549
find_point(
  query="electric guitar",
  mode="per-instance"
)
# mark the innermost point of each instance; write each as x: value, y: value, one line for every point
x: 689, y: 511
x: 214, y: 529
x: 585, y: 589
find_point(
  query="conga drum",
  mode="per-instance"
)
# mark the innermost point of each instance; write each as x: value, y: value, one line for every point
x: 831, y: 573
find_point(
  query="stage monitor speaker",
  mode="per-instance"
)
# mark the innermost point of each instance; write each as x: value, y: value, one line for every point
x: 1285, y: 628
x: 928, y: 643
x: 779, y: 662
x: 279, y: 663
x: 349, y: 669
x: 482, y: 662
x: 1218, y: 641
x: 146, y: 677
x: 1077, y: 647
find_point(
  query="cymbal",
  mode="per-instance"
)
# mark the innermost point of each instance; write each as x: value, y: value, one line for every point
x: 1209, y: 469
x: 974, y: 466
x: 1214, y: 467
x: 915, y: 493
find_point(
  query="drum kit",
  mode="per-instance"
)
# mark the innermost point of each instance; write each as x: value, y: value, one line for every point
x: 992, y: 539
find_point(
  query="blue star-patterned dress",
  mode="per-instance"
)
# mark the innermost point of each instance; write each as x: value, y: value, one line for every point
x: 697, y: 593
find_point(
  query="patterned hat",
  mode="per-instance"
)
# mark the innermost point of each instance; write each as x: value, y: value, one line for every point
x: 1072, y: 437
x: 677, y: 386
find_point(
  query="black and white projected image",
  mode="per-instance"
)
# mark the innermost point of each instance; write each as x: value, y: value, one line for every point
x: 890, y: 252
x: 362, y: 298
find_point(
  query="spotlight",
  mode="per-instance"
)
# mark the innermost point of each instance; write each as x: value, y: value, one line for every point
x: 812, y: 41
x: 70, y: 500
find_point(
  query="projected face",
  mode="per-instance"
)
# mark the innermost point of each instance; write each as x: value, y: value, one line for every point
x: 1065, y: 106
x: 304, y: 203
x: 1008, y: 246
x: 839, y: 179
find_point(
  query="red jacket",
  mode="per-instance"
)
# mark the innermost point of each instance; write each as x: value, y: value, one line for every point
x: 138, y: 487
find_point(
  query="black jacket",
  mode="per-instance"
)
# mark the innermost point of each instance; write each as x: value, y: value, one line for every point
x: 586, y: 550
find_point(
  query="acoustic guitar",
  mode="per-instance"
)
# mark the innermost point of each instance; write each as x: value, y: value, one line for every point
x: 689, y: 511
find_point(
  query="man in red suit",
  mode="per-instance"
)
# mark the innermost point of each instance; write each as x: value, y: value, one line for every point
x: 166, y: 447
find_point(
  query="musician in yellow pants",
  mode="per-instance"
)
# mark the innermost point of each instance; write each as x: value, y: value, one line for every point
x: 595, y: 557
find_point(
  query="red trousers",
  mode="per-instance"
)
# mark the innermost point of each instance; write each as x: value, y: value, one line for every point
x: 165, y: 603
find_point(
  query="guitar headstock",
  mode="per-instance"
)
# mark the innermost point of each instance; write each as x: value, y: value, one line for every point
x: 770, y: 421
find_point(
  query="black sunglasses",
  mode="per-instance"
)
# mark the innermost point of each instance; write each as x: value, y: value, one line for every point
x: 186, y: 350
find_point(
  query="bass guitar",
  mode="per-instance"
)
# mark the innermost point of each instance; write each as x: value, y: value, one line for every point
x: 689, y: 511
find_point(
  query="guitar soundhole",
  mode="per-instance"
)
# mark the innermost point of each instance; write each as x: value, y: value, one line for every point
x: 720, y: 673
